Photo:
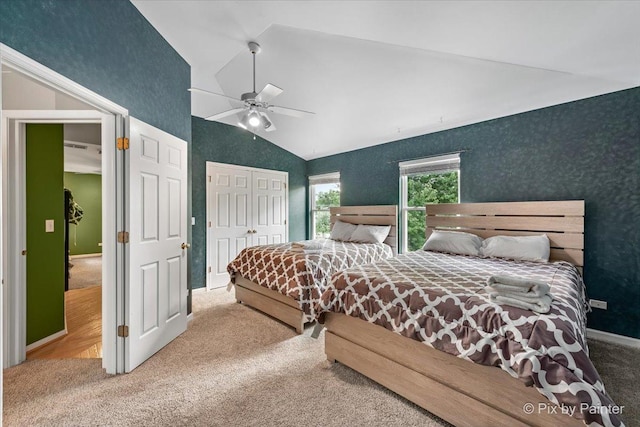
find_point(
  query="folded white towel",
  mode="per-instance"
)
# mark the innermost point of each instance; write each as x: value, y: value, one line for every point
x: 540, y: 304
x: 511, y: 284
x: 528, y: 297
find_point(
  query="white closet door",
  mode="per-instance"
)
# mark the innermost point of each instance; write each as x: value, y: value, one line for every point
x: 156, y: 286
x: 269, y: 208
x: 230, y: 224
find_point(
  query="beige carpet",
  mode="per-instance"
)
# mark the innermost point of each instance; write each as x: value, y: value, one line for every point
x: 85, y: 272
x: 233, y: 367
x: 236, y: 367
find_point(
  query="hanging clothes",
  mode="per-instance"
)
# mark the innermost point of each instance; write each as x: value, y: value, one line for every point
x: 75, y: 211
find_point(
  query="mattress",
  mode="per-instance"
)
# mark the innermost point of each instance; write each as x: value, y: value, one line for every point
x: 439, y: 299
x: 303, y: 274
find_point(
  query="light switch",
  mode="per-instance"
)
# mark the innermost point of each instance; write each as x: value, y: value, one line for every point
x: 193, y: 220
x: 48, y: 226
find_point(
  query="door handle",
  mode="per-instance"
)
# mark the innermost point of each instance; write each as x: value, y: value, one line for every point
x: 185, y: 246
x: 254, y: 231
x: 249, y: 231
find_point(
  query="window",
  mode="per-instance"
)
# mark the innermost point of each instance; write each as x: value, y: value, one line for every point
x: 324, y: 191
x: 429, y: 180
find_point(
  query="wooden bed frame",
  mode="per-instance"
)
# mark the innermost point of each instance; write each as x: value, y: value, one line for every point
x: 461, y: 392
x: 287, y: 309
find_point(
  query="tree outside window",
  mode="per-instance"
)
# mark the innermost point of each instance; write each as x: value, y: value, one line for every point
x: 425, y: 181
x: 325, y: 193
x: 421, y: 190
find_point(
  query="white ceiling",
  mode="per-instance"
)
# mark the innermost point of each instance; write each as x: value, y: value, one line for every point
x: 375, y: 72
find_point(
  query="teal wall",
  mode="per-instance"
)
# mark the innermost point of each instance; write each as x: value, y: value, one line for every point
x: 86, y: 188
x: 217, y: 142
x: 588, y: 149
x: 108, y: 47
x: 45, y: 251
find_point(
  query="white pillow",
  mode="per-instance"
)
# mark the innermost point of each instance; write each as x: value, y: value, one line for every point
x: 526, y: 248
x: 342, y: 231
x: 370, y: 233
x: 453, y: 242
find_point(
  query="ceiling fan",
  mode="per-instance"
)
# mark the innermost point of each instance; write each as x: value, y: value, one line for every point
x: 256, y: 105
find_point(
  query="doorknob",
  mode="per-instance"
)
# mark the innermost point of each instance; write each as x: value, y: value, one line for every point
x: 185, y: 246
x: 249, y: 231
x: 254, y: 231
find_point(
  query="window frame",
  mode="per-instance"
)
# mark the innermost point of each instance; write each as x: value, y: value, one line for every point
x: 327, y: 178
x: 404, y: 188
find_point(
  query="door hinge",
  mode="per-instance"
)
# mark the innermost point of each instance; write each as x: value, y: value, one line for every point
x: 123, y: 331
x: 123, y: 237
x: 285, y: 222
x: 122, y: 143
x: 209, y: 178
x: 285, y: 184
x: 209, y: 269
x: 209, y: 224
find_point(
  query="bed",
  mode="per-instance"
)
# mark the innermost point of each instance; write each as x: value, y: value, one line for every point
x: 435, y: 299
x: 286, y: 283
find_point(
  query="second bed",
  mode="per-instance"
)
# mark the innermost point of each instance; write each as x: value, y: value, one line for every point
x: 286, y: 280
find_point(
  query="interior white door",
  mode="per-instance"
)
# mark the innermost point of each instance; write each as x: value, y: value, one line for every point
x: 156, y: 214
x: 269, y: 208
x: 230, y: 225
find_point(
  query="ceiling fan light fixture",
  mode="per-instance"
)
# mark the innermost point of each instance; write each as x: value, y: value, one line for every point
x: 244, y: 122
x: 254, y: 119
x: 265, y: 122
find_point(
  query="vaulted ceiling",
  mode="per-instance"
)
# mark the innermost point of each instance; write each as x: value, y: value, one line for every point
x: 375, y: 72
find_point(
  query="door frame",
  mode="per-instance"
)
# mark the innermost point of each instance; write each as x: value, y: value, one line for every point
x: 110, y: 115
x: 209, y: 183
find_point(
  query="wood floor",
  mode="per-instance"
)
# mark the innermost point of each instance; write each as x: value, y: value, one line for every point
x: 83, y: 309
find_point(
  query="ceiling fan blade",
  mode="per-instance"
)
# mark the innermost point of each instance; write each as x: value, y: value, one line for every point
x: 271, y: 127
x: 224, y: 114
x: 290, y: 111
x: 268, y: 93
x: 206, y: 92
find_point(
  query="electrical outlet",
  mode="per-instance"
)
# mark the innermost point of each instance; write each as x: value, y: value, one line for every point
x: 48, y: 226
x: 595, y: 303
x: 193, y: 220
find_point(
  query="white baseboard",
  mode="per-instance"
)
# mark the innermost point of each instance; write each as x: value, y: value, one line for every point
x: 613, y: 338
x: 85, y: 256
x: 198, y: 290
x: 189, y: 317
x: 47, y: 340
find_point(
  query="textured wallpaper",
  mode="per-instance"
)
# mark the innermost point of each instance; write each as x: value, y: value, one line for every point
x: 588, y: 149
x: 217, y: 142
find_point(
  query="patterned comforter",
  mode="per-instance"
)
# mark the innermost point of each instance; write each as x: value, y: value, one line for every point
x: 303, y: 274
x: 438, y: 299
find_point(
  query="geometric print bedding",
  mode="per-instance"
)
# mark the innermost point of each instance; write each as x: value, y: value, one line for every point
x: 438, y: 299
x: 303, y: 274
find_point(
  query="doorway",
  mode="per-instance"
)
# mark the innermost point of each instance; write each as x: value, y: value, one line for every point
x: 49, y: 98
x: 144, y: 206
x: 77, y: 186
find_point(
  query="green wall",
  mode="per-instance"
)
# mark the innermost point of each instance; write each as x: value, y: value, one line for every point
x: 45, y: 251
x: 587, y: 149
x: 218, y: 142
x: 87, y: 192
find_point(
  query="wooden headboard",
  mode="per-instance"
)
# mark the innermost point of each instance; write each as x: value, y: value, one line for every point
x: 370, y: 215
x: 562, y: 221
